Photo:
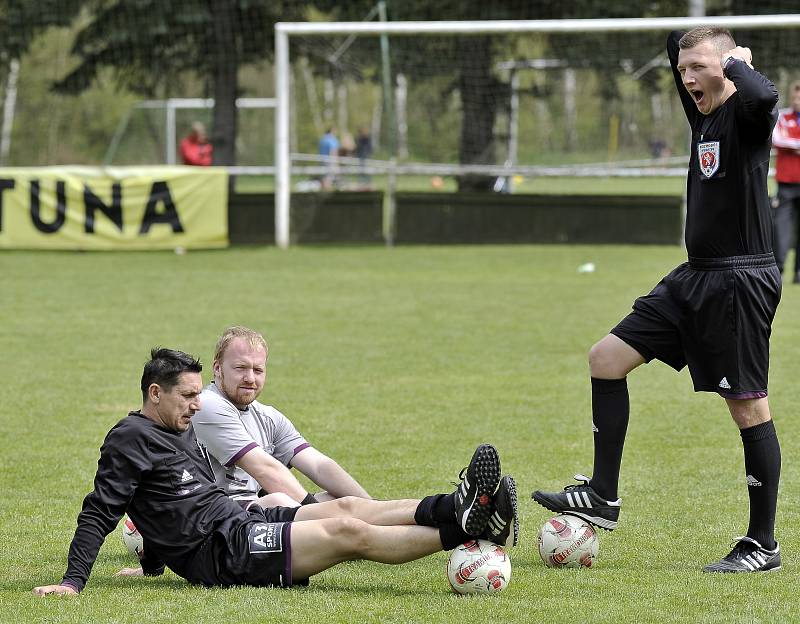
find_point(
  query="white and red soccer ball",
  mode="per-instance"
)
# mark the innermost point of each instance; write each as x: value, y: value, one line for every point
x: 568, y: 542
x: 478, y: 567
x: 131, y: 537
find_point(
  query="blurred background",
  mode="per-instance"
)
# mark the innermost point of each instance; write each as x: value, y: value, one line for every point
x: 119, y: 82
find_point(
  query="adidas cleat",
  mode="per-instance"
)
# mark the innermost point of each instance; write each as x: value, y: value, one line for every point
x: 473, y: 497
x: 581, y: 500
x: 748, y: 556
x: 505, y: 516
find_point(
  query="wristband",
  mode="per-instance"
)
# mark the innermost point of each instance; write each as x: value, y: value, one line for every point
x: 728, y: 62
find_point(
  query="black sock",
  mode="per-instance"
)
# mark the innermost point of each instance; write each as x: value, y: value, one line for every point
x: 610, y: 412
x: 436, y: 510
x: 451, y: 535
x: 762, y: 462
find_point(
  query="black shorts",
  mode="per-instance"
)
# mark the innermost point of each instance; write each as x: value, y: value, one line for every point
x: 256, y: 551
x: 714, y: 314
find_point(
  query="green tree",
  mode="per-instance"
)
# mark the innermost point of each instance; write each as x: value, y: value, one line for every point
x: 150, y: 44
x: 22, y: 20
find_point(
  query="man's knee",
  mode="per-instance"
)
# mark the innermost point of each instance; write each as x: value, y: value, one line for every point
x: 613, y: 358
x: 347, y: 505
x: 602, y: 363
x: 749, y: 412
x: 351, y: 534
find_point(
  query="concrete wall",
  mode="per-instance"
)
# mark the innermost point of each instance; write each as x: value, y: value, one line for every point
x: 315, y: 218
x: 441, y: 218
x: 464, y: 218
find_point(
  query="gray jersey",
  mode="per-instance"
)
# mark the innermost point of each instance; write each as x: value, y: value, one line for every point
x: 228, y: 433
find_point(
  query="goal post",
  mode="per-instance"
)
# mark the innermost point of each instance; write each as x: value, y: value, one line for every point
x: 284, y: 31
x: 168, y: 108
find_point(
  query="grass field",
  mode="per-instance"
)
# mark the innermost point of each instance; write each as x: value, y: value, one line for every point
x: 397, y: 362
x: 544, y: 186
x: 530, y: 185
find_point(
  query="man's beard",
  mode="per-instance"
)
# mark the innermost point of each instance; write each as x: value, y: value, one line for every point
x: 236, y: 395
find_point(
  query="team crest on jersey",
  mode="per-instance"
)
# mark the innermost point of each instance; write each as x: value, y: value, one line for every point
x: 708, y: 155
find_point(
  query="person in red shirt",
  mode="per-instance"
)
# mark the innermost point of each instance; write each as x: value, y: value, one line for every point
x: 786, y: 224
x: 195, y: 148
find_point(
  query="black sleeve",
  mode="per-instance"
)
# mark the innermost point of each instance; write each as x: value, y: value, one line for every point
x: 689, y: 106
x: 757, y: 97
x: 151, y: 565
x: 119, y: 468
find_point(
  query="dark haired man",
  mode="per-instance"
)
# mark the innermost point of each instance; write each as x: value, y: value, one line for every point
x: 151, y: 466
x: 713, y: 312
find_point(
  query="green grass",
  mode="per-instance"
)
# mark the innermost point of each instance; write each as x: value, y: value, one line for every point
x: 397, y: 362
x: 543, y: 186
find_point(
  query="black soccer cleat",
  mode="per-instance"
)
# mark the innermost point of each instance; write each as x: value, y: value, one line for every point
x: 505, y: 516
x: 473, y: 497
x: 748, y: 556
x: 581, y: 500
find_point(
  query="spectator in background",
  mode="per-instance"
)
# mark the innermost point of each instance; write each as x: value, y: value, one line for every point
x: 785, y: 218
x: 363, y: 151
x: 329, y: 150
x: 195, y: 148
x: 348, y: 146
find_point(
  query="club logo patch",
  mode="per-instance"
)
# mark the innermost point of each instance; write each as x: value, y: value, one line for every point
x: 265, y: 538
x: 708, y: 156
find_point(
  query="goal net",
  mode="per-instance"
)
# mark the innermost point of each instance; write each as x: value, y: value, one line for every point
x: 470, y: 103
x: 509, y: 92
x: 489, y: 103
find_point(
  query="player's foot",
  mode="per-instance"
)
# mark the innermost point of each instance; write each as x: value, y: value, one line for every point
x: 581, y: 500
x: 748, y: 556
x: 473, y: 497
x: 504, y: 517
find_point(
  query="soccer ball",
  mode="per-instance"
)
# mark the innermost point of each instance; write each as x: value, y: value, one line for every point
x: 478, y: 567
x: 568, y: 542
x: 132, y: 538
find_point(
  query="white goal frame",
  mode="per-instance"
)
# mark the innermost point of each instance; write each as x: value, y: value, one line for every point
x: 170, y: 106
x: 284, y: 30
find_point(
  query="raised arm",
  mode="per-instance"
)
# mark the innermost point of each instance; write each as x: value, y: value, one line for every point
x: 757, y: 95
x: 689, y: 107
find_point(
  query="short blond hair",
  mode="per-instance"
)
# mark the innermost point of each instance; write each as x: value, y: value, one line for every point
x: 252, y: 337
x: 720, y: 38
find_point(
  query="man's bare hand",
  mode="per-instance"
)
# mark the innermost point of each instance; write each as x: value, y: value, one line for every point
x: 743, y: 54
x: 130, y: 572
x: 57, y: 590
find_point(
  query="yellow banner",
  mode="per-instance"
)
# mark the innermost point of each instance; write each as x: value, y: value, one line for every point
x: 113, y: 207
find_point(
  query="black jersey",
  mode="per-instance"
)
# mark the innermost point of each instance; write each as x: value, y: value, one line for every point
x: 728, y: 212
x: 165, y: 483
